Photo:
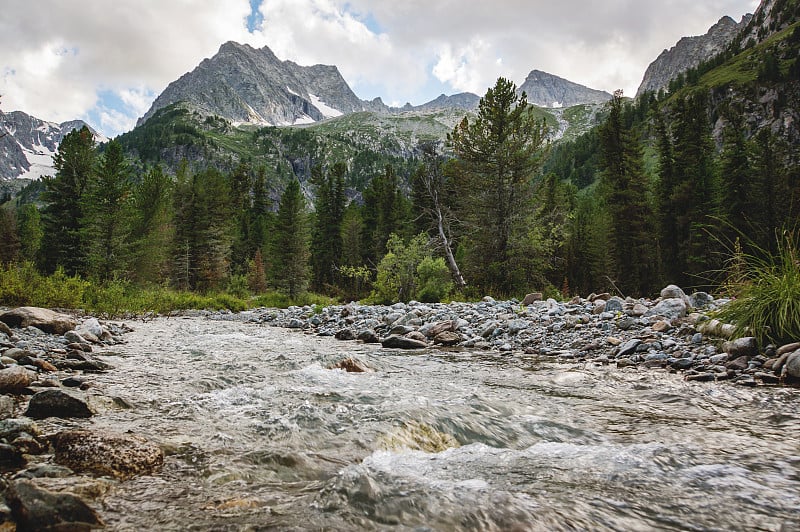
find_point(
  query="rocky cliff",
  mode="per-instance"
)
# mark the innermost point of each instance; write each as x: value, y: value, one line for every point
x: 547, y: 90
x: 690, y: 52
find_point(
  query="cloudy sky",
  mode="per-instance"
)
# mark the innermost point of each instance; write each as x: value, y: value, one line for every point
x: 106, y: 61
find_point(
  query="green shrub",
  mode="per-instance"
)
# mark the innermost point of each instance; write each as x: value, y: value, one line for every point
x: 767, y: 290
x: 434, y: 280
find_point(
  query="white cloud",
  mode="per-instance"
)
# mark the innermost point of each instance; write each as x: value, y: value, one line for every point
x: 58, y: 58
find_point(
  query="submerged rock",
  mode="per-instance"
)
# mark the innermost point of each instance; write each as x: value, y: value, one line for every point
x: 115, y: 455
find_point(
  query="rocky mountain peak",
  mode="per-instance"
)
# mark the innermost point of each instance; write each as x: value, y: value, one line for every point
x: 690, y: 52
x: 547, y: 90
x: 247, y: 85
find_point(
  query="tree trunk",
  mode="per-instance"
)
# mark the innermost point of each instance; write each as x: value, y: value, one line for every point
x: 448, y: 253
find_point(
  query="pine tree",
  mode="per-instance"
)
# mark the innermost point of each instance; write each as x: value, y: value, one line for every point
x: 29, y: 228
x: 738, y: 194
x: 290, y: 251
x: 624, y: 188
x: 496, y: 156
x: 10, y: 242
x: 63, y: 242
x: 105, y: 208
x: 385, y: 212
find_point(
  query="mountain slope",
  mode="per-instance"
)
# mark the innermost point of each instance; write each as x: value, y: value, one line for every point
x: 245, y: 85
x: 27, y: 144
x: 690, y: 52
x: 548, y: 90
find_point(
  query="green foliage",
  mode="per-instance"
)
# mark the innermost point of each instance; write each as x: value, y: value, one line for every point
x: 397, y: 271
x: 29, y: 229
x: 326, y: 238
x: 433, y: 280
x: 22, y: 285
x: 768, y: 290
x: 290, y: 251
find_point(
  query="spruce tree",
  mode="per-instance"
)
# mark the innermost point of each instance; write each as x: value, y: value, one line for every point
x: 63, y: 241
x: 326, y: 239
x: 624, y: 188
x: 290, y: 251
x: 29, y: 228
x: 151, y: 229
x: 385, y: 212
x: 496, y: 156
x: 737, y: 203
x: 106, y: 215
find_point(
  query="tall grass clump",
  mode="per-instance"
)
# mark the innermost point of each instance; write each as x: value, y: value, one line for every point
x: 766, y: 288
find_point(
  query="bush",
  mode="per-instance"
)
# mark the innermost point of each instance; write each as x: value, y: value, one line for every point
x: 767, y: 290
x: 433, y: 280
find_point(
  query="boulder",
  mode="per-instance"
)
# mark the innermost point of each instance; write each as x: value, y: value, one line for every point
x: 57, y: 403
x: 345, y: 334
x: 614, y: 304
x: 15, y: 379
x: 5, y: 329
x: 447, y: 338
x: 675, y: 292
x: 443, y: 326
x: 747, y: 346
x: 532, y: 298
x: 788, y: 348
x: 368, y: 336
x: 791, y: 368
x: 351, y: 365
x: 401, y: 342
x: 11, y: 429
x: 700, y: 300
x: 120, y: 456
x: 43, y: 319
x: 628, y: 348
x: 670, y: 308
x: 34, y: 508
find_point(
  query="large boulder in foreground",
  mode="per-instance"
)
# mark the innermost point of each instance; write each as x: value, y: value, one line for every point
x: 44, y: 319
x: 120, y: 456
x: 34, y: 508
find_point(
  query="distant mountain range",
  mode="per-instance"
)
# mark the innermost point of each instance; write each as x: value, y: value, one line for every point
x: 27, y: 144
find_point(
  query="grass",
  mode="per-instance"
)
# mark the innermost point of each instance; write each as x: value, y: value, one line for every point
x: 23, y: 285
x: 767, y: 290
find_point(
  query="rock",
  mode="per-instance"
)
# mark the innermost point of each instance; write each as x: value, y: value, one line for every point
x: 747, y: 346
x: 116, y: 455
x: 516, y: 326
x: 83, y: 365
x: 43, y: 319
x: 638, y: 310
x: 675, y: 292
x: 11, y: 429
x: 295, y: 323
x: 738, y: 364
x: 532, y: 298
x: 767, y: 378
x: 628, y: 348
x: 401, y: 342
x: 701, y: 377
x: 6, y: 407
x: 15, y: 379
x: 626, y: 323
x: 345, y: 334
x: 11, y: 457
x: 34, y: 508
x: 447, y: 338
x: 598, y: 306
x: 788, y: 348
x: 45, y: 471
x: 661, y: 326
x: 56, y: 403
x: 5, y: 329
x: 351, y: 365
x: 440, y: 327
x: 73, y: 337
x: 416, y: 335
x: 16, y: 354
x: 614, y: 304
x: 671, y: 309
x: 368, y: 336
x: 717, y: 328
x: 791, y: 368
x: 93, y: 327
x: 700, y: 300
x: 401, y: 330
x: 683, y: 363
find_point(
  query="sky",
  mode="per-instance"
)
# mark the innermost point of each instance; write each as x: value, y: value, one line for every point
x: 106, y: 61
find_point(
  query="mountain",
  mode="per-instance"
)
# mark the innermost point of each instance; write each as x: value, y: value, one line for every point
x: 771, y: 16
x: 464, y: 100
x: 690, y: 52
x: 245, y: 85
x: 27, y: 144
x: 547, y: 90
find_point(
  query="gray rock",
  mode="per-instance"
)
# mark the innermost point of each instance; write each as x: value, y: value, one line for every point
x: 544, y: 89
x: 368, y: 336
x: 57, y: 403
x: 700, y: 299
x: 614, y: 304
x: 345, y: 334
x: 447, y: 338
x: 295, y: 323
x: 532, y: 298
x: 11, y: 429
x: 6, y: 407
x: 671, y: 308
x: 515, y: 326
x: 747, y: 346
x: 683, y: 363
x: 628, y: 348
x: 792, y: 366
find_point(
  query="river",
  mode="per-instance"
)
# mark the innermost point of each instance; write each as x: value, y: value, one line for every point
x: 259, y: 434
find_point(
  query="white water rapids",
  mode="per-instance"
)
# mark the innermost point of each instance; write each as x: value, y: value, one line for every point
x: 261, y: 435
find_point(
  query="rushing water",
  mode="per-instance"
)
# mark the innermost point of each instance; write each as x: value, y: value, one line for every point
x: 261, y: 435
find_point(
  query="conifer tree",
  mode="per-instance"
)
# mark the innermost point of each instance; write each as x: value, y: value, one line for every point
x: 29, y: 228
x: 290, y: 251
x: 496, y: 156
x: 10, y: 242
x: 326, y: 248
x: 385, y: 212
x: 63, y: 241
x: 624, y: 189
x: 737, y: 203
x: 105, y: 208
x: 151, y: 226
